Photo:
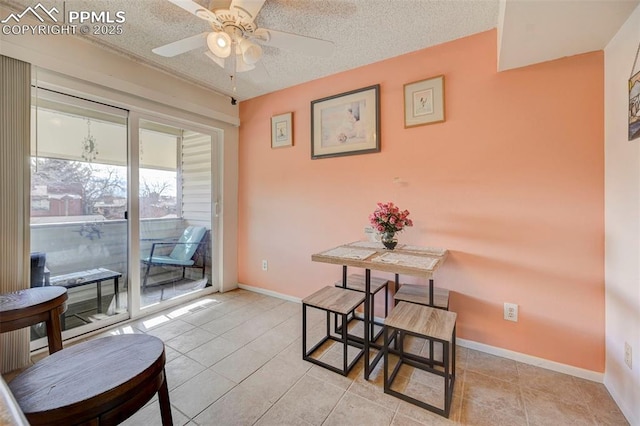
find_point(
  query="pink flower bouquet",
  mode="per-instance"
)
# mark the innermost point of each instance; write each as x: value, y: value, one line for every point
x: 389, y: 218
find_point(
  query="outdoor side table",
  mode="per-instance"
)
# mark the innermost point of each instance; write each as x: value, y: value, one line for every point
x: 32, y: 306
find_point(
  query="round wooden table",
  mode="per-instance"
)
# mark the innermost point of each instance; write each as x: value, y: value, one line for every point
x: 32, y: 306
x: 104, y: 381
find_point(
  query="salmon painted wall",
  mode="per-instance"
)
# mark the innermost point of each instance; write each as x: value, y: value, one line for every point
x: 511, y: 183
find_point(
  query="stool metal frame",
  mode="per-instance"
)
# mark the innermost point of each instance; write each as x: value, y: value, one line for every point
x: 421, y: 295
x: 344, y: 283
x: 448, y: 364
x: 343, y: 337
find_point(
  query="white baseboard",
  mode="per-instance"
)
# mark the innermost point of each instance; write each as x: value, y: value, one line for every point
x: 533, y: 360
x: 492, y: 350
x: 628, y: 413
x: 270, y: 293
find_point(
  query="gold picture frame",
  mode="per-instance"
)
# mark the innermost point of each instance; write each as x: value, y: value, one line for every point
x: 282, y: 130
x: 424, y: 102
x: 634, y: 106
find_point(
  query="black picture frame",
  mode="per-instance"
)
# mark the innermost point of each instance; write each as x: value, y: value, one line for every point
x: 346, y: 124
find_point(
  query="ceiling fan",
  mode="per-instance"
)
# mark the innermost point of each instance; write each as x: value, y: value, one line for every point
x: 235, y: 37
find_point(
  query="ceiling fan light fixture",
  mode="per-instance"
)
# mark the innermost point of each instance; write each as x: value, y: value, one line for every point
x: 251, y: 52
x: 242, y: 66
x: 219, y: 43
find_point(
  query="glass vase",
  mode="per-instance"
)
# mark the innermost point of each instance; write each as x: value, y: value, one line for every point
x: 389, y: 240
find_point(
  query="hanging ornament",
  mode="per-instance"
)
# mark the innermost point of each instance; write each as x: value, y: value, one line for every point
x: 89, y: 145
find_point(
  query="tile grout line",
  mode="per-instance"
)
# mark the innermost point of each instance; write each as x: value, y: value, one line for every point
x: 209, y: 368
x: 270, y: 359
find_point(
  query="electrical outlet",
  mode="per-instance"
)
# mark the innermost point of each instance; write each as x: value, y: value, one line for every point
x: 265, y: 265
x: 627, y: 355
x: 511, y: 312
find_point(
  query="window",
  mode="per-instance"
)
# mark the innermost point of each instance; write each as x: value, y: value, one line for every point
x: 158, y: 171
x: 78, y: 164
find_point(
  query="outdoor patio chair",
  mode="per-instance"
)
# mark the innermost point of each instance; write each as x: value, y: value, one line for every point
x: 39, y: 273
x: 188, y: 252
x: 39, y: 278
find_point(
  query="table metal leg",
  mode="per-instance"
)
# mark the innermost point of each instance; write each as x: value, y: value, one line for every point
x: 99, y: 288
x: 367, y: 298
x: 115, y: 288
x: 395, y: 291
x: 431, y: 292
x: 395, y: 303
x: 335, y: 316
x: 431, y: 304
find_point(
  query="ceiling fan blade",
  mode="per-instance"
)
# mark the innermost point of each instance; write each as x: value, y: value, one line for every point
x: 195, y: 9
x: 247, y: 9
x: 215, y: 59
x: 181, y: 46
x: 218, y: 4
x: 260, y: 73
x: 297, y: 43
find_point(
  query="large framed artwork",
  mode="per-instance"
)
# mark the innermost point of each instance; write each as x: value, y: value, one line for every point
x: 424, y: 102
x: 282, y: 130
x: 346, y: 124
x: 634, y: 106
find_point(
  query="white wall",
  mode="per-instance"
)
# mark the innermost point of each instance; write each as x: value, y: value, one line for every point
x: 622, y: 224
x: 120, y: 81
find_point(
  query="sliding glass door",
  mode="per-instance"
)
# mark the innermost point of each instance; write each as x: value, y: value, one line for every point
x: 176, y: 212
x: 92, y: 166
x: 78, y: 205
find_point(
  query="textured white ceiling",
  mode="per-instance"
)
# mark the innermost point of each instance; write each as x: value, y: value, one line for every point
x: 363, y: 31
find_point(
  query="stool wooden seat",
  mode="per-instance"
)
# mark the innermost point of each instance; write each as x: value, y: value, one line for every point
x: 32, y: 306
x: 338, y: 301
x: 419, y: 294
x: 102, y: 381
x: 430, y: 323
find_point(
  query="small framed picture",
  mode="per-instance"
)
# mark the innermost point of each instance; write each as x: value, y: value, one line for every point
x: 346, y: 124
x: 634, y: 106
x: 424, y: 102
x: 281, y: 130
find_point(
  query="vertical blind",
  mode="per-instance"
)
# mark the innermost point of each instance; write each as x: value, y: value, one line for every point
x: 15, y: 100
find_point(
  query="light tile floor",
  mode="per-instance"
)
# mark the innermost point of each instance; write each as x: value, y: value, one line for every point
x: 236, y: 359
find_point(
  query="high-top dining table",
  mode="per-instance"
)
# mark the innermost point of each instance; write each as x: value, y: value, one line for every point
x: 404, y: 259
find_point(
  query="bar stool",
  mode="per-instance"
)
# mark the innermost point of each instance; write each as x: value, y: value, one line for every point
x: 341, y: 302
x: 430, y: 323
x: 419, y: 294
x: 356, y: 282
